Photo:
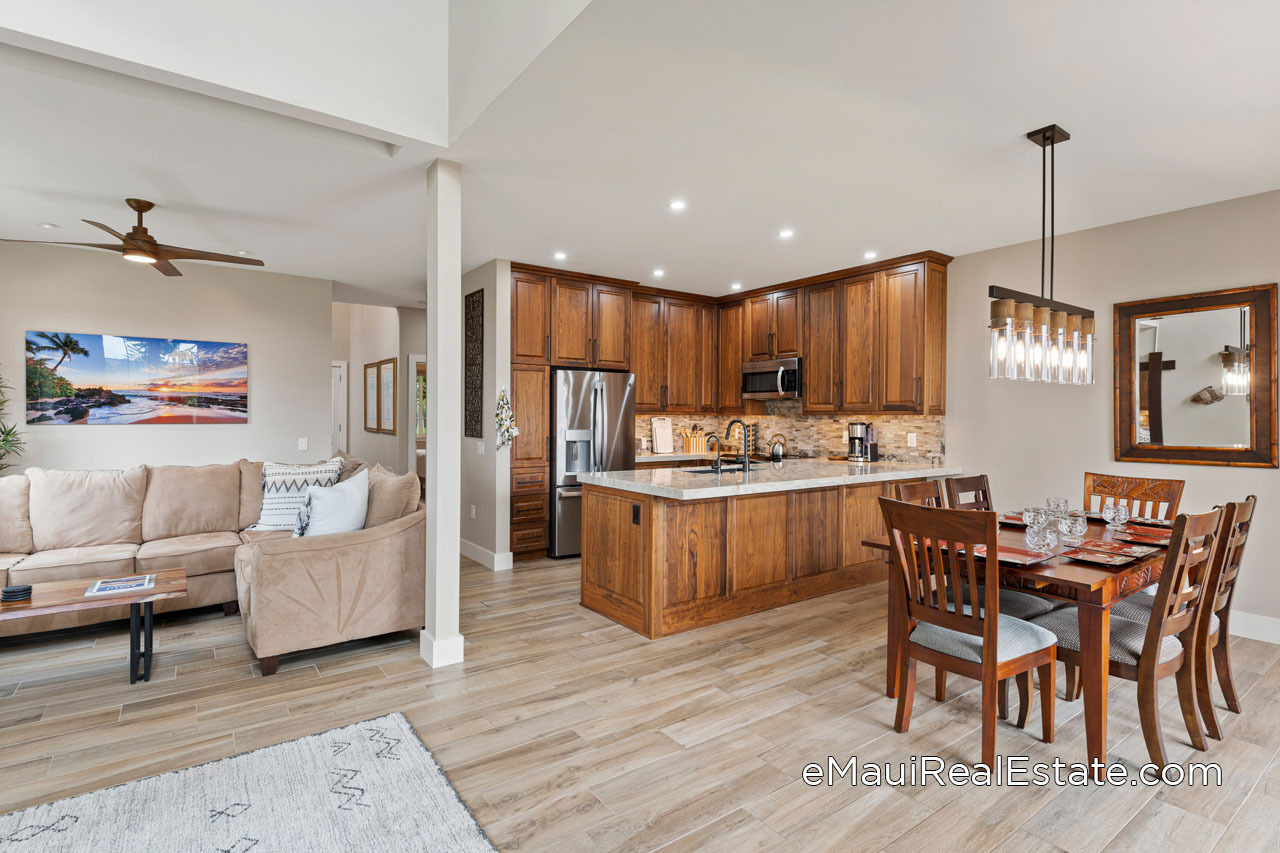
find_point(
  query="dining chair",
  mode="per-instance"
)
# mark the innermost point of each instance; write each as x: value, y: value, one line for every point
x: 1144, y: 497
x: 921, y: 493
x: 1163, y: 645
x: 935, y: 563
x: 975, y: 488
x: 1212, y: 633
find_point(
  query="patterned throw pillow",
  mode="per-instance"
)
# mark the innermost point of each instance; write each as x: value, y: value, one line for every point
x: 284, y: 488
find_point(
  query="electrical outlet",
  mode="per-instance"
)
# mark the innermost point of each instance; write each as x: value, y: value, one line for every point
x: 911, y: 439
x: 302, y: 444
x: 473, y: 510
x: 479, y: 448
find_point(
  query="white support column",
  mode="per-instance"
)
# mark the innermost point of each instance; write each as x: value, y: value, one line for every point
x: 441, y: 640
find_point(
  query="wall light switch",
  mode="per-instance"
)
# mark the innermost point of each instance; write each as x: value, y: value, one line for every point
x: 302, y: 444
x: 479, y: 448
x: 473, y: 510
x: 911, y: 439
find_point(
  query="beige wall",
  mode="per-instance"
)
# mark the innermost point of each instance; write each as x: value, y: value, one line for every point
x: 284, y: 319
x: 486, y: 478
x: 1036, y: 440
x: 373, y: 334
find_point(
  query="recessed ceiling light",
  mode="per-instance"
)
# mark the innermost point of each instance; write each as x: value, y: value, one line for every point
x: 49, y: 225
x: 676, y: 204
x: 737, y: 285
x: 559, y: 256
x: 659, y: 272
x: 868, y: 255
x: 244, y: 253
x: 786, y: 233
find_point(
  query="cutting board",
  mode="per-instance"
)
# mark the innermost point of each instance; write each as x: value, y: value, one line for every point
x: 662, y: 439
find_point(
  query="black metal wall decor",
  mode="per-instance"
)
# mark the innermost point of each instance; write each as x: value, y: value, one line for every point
x: 473, y: 366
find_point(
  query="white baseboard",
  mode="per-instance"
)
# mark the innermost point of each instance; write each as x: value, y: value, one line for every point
x: 443, y: 652
x: 489, y: 559
x: 1255, y: 627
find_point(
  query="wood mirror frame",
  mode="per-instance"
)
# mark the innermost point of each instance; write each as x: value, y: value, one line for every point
x: 1261, y: 300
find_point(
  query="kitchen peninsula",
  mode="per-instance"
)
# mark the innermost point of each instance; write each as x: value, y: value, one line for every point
x: 671, y: 549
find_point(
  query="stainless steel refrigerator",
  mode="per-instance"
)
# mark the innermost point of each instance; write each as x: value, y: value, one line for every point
x: 593, y: 428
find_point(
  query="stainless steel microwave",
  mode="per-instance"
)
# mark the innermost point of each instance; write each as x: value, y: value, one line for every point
x: 779, y: 378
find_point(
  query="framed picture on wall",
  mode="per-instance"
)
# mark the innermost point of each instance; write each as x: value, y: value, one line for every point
x: 371, y: 397
x: 388, y: 396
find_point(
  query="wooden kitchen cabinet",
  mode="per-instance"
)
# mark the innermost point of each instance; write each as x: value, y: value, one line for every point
x: 857, y: 346
x: 570, y: 323
x: 732, y: 324
x: 758, y: 328
x: 531, y: 405
x: 823, y: 347
x: 646, y: 350
x: 611, y: 327
x: 530, y: 318
x: 900, y: 308
x: 773, y: 326
x: 709, y: 358
x: 681, y: 356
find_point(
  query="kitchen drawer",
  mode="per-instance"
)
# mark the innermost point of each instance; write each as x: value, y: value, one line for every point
x: 529, y: 537
x: 530, y: 507
x: 529, y: 480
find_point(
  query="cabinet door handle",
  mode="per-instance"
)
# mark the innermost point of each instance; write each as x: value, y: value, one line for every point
x: 915, y: 398
x: 548, y: 346
x: 771, y: 343
x: 595, y: 350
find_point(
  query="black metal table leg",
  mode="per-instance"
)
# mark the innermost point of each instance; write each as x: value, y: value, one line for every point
x: 146, y: 653
x: 133, y: 642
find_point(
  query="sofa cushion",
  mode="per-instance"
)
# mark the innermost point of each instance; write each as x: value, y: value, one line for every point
x: 15, y: 515
x: 183, y: 500
x: 390, y: 497
x: 284, y: 488
x: 340, y: 508
x: 198, y: 553
x: 7, y: 562
x: 249, y: 537
x: 351, y: 465
x: 91, y: 562
x: 250, y: 493
x: 76, y: 509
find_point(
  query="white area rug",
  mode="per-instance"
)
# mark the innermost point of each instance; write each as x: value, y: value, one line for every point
x: 368, y: 786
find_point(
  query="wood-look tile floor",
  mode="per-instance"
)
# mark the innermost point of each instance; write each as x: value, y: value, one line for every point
x: 563, y: 731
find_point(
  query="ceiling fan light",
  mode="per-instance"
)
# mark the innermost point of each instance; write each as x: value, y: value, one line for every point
x: 138, y: 256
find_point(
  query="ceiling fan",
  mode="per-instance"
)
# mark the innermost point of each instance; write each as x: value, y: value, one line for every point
x: 138, y: 245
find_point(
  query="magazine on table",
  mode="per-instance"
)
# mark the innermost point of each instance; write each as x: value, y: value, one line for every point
x: 122, y: 586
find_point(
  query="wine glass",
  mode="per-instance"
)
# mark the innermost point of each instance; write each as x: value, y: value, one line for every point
x: 1057, y: 507
x: 1042, y: 540
x: 1073, y: 527
x: 1109, y: 515
x: 1034, y: 516
x: 1122, y: 515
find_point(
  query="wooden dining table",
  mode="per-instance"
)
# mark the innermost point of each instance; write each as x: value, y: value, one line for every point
x: 1093, y: 589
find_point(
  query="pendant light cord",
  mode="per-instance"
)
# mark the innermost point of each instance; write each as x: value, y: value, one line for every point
x: 1053, y: 205
x: 1043, y: 155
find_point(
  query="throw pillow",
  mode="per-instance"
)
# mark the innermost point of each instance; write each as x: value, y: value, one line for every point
x: 284, y: 488
x: 351, y: 465
x: 335, y: 509
x: 390, y: 497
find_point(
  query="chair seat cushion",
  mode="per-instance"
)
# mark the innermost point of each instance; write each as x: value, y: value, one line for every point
x: 248, y: 537
x: 1137, y: 608
x: 92, y: 562
x: 1127, y: 636
x: 1014, y: 638
x: 1020, y: 605
x: 198, y: 553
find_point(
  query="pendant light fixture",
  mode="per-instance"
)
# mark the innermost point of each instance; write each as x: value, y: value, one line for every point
x: 1235, y: 363
x: 1037, y: 338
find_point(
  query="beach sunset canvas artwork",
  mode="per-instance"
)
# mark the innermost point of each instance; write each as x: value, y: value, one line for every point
x: 77, y: 378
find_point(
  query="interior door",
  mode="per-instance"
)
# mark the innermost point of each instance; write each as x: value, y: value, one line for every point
x: 530, y: 319
x: 611, y: 322
x: 681, y: 355
x: 901, y: 328
x: 646, y: 351
x: 788, y: 318
x: 822, y: 345
x: 758, y: 345
x: 570, y: 323
x: 338, y: 406
x: 858, y: 344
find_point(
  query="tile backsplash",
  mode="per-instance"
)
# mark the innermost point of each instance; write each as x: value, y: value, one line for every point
x: 821, y: 434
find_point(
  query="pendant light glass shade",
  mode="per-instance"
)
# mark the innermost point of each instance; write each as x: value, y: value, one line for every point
x: 1004, y: 363
x: 1041, y: 343
x: 1086, y: 332
x: 1023, y: 315
x: 1235, y: 372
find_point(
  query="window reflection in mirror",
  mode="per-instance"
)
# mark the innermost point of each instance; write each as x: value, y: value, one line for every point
x: 1181, y: 400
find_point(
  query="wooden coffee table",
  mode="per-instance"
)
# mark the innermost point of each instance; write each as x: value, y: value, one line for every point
x: 66, y: 596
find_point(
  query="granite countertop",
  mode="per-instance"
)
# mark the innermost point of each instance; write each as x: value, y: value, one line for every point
x: 785, y: 476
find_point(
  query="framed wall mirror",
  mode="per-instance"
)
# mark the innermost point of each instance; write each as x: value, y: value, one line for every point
x: 1195, y: 378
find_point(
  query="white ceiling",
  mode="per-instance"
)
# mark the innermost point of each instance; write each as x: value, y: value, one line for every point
x: 885, y: 126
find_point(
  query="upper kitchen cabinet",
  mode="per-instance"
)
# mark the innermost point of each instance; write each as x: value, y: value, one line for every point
x: 732, y: 342
x: 856, y: 383
x: 646, y: 350
x: 773, y: 326
x: 681, y: 349
x: 611, y: 327
x: 530, y: 318
x: 709, y: 358
x: 935, y: 345
x: 900, y: 306
x: 822, y: 347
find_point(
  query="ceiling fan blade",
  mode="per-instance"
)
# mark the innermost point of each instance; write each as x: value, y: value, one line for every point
x: 109, y: 246
x: 113, y: 232
x: 165, y: 267
x: 177, y: 253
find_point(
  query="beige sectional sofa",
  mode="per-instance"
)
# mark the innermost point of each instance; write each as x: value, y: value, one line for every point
x: 294, y: 593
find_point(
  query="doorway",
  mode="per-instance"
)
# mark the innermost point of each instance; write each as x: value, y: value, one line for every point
x: 338, y: 406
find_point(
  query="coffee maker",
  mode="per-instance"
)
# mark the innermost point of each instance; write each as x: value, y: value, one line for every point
x: 860, y: 439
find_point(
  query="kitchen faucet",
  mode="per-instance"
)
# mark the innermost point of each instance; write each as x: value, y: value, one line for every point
x: 746, y: 460
x: 715, y: 460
